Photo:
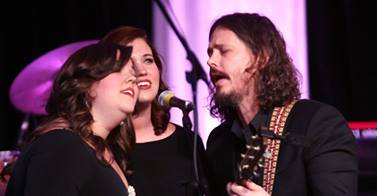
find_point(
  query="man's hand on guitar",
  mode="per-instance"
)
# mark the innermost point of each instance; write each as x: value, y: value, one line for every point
x: 249, y: 188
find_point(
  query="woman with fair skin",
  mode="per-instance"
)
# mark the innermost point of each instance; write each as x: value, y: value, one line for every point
x: 89, y: 109
x: 161, y: 160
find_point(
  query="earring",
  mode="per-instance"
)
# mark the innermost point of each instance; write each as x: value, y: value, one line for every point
x: 122, y: 123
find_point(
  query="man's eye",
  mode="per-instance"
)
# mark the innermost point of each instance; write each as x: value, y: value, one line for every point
x: 223, y: 51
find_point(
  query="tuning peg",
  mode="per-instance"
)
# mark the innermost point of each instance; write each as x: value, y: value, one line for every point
x: 251, y: 157
x: 257, y: 148
x: 267, y: 154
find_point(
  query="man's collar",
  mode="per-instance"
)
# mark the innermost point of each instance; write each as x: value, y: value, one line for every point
x: 259, y: 120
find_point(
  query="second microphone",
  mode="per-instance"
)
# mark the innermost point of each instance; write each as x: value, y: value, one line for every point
x: 167, y: 100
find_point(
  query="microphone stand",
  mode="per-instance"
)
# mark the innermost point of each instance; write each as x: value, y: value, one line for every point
x: 192, y: 77
x: 186, y: 120
x: 23, y: 131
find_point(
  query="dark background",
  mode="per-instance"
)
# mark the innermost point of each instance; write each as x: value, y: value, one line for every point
x: 342, y: 56
x: 341, y: 39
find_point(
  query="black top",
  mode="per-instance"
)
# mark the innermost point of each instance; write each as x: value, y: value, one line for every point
x: 165, y: 167
x: 317, y: 157
x: 61, y: 163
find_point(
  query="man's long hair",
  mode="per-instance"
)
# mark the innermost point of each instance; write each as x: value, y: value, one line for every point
x: 125, y: 35
x: 277, y: 81
x: 70, y: 101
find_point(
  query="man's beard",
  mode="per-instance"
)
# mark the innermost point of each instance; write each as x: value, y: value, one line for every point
x: 229, y: 101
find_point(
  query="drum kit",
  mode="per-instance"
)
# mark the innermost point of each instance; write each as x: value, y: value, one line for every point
x: 30, y: 90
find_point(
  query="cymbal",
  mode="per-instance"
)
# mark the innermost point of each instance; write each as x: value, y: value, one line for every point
x: 32, y: 86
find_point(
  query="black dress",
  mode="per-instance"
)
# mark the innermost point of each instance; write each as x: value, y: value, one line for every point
x: 165, y: 167
x: 61, y: 163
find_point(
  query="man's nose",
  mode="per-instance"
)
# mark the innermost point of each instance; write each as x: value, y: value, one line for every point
x: 211, y: 62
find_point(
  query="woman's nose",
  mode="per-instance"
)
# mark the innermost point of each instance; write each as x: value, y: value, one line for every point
x: 131, y: 79
x: 139, y: 69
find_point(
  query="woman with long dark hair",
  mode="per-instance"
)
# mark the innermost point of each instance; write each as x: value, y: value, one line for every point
x: 89, y: 109
x: 161, y: 161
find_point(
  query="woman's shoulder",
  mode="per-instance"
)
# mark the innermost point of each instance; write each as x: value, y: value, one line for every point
x: 181, y: 131
x: 56, y: 157
x: 61, y: 148
x: 187, y: 135
x: 57, y: 141
x: 58, y: 137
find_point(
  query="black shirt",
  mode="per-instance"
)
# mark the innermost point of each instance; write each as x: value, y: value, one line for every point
x: 61, y: 163
x: 165, y: 167
x: 243, y: 135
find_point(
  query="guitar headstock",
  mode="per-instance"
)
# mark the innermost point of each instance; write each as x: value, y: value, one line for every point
x: 252, y: 159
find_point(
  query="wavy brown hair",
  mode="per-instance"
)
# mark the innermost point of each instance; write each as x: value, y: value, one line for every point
x: 125, y: 35
x: 277, y: 80
x: 70, y: 102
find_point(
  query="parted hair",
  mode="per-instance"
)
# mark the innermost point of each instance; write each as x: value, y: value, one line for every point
x: 277, y: 81
x: 125, y: 35
x: 70, y: 101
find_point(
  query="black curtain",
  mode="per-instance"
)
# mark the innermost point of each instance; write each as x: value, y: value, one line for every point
x: 30, y: 29
x: 342, y: 40
x: 342, y: 51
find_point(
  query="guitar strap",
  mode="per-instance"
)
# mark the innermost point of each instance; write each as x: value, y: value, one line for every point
x: 277, y: 123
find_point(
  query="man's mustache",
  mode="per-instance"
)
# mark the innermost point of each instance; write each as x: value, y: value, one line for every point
x: 217, y: 75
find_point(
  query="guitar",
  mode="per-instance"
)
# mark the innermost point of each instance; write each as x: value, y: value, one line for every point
x: 252, y: 159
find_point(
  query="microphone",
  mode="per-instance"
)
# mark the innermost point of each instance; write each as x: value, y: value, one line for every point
x: 167, y: 100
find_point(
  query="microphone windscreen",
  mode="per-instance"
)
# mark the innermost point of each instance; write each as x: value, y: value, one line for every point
x: 164, y: 98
